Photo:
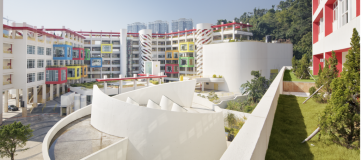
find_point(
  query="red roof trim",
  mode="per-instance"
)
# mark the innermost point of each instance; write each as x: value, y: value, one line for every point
x: 66, y: 30
x: 31, y: 29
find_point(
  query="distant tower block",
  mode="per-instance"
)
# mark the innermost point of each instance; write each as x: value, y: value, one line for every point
x: 145, y: 38
x: 203, y: 36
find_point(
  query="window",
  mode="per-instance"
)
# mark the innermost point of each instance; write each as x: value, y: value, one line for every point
x: 31, y: 63
x: 31, y: 77
x: 59, y: 52
x: 169, y: 54
x: 48, y: 51
x: 55, y: 62
x: 48, y: 62
x: 40, y: 63
x: 31, y: 49
x: 61, y: 62
x: 176, y: 55
x: 183, y: 47
x: 162, y: 67
x: 52, y: 75
x: 40, y: 76
x: 191, y: 47
x: 183, y: 62
x: 77, y: 72
x: 84, y: 71
x: 69, y: 52
x: 106, y: 48
x: 162, y: 61
x: 63, y: 75
x: 40, y: 50
x: 75, y: 54
x: 169, y: 68
x: 96, y: 62
x: 175, y: 68
x: 81, y: 54
x: 344, y: 11
x: 71, y: 72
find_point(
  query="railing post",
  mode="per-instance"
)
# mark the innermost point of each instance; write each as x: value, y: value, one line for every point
x: 105, y: 84
x: 135, y: 82
x: 120, y: 85
x: 147, y: 80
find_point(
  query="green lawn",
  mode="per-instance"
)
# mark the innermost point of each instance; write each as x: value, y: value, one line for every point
x: 289, y: 76
x: 295, y: 121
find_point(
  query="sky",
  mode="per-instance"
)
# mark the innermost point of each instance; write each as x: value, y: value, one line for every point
x: 112, y: 15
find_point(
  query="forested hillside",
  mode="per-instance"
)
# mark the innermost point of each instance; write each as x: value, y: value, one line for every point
x: 290, y: 19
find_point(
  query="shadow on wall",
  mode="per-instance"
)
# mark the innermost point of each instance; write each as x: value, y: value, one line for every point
x: 288, y: 131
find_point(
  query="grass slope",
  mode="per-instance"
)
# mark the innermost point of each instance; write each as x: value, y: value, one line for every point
x: 295, y: 121
x: 289, y: 76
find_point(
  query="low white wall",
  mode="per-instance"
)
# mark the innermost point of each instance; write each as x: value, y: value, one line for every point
x: 116, y: 151
x: 202, y: 101
x: 110, y: 91
x: 179, y: 92
x: 252, y: 140
x: 160, y: 134
x: 59, y: 125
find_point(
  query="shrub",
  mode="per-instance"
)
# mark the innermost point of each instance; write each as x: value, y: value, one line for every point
x: 312, y: 90
x: 214, y: 76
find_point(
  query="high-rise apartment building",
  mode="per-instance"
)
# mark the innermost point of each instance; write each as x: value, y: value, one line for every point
x: 182, y: 24
x: 136, y: 27
x: 159, y: 26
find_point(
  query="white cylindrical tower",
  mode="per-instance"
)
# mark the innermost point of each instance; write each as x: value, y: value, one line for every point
x: 145, y: 46
x: 203, y: 36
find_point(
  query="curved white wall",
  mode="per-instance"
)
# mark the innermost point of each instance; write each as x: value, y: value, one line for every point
x: 59, y: 125
x: 235, y: 61
x: 160, y: 134
x: 179, y: 92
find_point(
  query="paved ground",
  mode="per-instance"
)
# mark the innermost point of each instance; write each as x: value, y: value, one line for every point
x: 82, y: 135
x: 41, y: 123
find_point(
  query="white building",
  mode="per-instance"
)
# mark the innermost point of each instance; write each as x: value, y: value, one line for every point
x: 332, y: 28
x: 235, y: 62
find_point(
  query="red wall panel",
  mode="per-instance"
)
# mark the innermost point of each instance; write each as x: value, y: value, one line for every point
x: 328, y: 19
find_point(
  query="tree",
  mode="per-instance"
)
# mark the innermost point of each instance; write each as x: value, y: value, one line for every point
x: 302, y: 70
x: 13, y: 136
x: 341, y: 117
x: 294, y: 63
x: 328, y: 73
x: 284, y: 21
x: 257, y: 87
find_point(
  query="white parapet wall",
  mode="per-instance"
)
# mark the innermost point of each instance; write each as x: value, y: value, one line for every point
x: 252, y: 140
x: 160, y: 134
x: 59, y: 125
x: 179, y: 92
x: 116, y: 151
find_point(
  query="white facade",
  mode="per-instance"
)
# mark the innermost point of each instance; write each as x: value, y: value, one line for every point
x: 332, y: 28
x: 235, y: 62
